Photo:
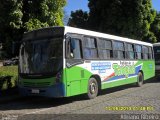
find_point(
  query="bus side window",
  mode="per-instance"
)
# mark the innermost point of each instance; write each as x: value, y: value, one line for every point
x: 90, y: 48
x: 118, y: 50
x: 75, y: 49
x: 130, y: 51
x: 145, y: 52
x: 138, y: 51
x: 105, y: 48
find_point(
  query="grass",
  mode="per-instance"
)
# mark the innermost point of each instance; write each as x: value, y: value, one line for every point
x: 6, y: 71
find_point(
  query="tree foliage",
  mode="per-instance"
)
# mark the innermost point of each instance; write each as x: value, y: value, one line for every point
x: 128, y: 18
x: 78, y: 19
x: 43, y: 13
x: 19, y: 16
x: 10, y: 23
x: 155, y: 27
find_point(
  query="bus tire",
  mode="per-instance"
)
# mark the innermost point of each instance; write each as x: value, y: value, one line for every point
x: 140, y: 79
x: 92, y: 88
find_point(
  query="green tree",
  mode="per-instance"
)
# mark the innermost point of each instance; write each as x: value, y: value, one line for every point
x: 128, y: 18
x: 42, y: 13
x: 78, y: 19
x: 155, y: 27
x: 19, y: 16
x: 10, y: 23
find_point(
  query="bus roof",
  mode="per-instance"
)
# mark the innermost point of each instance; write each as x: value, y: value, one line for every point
x: 156, y: 44
x: 102, y: 35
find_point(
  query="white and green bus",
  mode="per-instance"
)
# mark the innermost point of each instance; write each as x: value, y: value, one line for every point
x: 67, y: 61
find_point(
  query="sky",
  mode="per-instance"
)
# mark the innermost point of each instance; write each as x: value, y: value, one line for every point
x: 73, y: 5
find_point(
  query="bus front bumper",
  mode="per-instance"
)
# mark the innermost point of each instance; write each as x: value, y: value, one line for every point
x: 57, y: 90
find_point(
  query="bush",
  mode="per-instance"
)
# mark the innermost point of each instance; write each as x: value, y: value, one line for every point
x: 8, y: 77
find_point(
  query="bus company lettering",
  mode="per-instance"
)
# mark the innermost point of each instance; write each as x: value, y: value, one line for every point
x: 125, y: 68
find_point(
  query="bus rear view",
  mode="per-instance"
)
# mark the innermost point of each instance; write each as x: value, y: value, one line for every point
x: 41, y: 63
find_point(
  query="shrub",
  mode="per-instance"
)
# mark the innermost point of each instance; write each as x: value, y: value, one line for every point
x: 8, y: 77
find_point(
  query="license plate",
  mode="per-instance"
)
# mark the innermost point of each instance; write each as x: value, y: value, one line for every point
x: 35, y: 91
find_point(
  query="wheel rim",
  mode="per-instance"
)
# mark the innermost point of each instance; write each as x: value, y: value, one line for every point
x: 92, y: 88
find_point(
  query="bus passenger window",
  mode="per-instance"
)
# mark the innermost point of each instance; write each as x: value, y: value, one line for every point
x: 118, y: 48
x: 138, y: 51
x: 75, y: 50
x: 104, y: 49
x: 145, y: 52
x: 90, y: 48
x: 129, y: 51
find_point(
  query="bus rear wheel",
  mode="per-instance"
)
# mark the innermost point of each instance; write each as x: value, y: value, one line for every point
x: 92, y: 88
x: 140, y: 79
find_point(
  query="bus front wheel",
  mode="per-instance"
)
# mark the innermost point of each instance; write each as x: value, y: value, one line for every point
x: 92, y: 88
x: 140, y: 79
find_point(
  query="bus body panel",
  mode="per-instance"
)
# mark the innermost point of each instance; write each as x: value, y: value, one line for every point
x: 77, y: 80
x: 125, y: 72
x: 44, y: 87
x: 50, y: 91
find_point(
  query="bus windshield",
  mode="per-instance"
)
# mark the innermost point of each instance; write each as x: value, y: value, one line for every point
x: 41, y: 57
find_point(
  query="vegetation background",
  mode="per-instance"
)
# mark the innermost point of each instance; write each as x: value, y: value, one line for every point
x: 134, y: 19
x: 127, y: 18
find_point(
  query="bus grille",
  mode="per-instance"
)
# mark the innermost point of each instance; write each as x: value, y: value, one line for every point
x: 36, y: 84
